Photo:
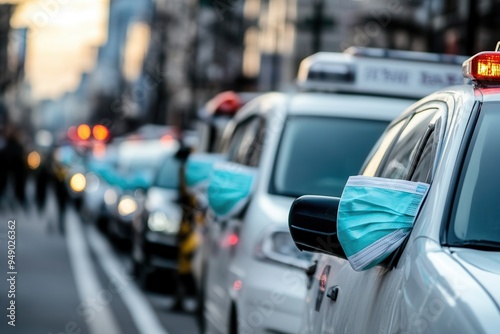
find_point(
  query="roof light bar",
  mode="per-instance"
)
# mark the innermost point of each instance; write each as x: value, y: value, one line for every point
x: 326, y: 67
x: 484, y: 67
x: 415, y: 56
x: 381, y: 72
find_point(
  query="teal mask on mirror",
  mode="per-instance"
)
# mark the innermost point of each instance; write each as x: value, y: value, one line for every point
x: 198, y: 168
x: 230, y: 187
x: 375, y: 215
x: 197, y: 172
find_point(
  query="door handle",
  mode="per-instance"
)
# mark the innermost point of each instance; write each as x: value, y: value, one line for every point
x: 333, y: 292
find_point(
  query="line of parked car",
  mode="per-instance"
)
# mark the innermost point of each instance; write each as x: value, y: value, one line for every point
x: 279, y: 146
x: 250, y: 167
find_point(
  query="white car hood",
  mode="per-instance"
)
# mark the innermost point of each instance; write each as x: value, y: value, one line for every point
x: 484, y: 266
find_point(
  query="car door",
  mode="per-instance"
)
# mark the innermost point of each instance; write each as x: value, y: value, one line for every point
x: 362, y: 302
x: 223, y: 234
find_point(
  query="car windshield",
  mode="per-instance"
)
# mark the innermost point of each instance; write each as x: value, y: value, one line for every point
x: 168, y: 174
x: 476, y: 218
x: 318, y: 154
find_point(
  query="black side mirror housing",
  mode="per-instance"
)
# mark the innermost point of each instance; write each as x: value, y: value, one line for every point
x: 313, y: 224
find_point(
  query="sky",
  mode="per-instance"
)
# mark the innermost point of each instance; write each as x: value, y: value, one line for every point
x: 63, y: 39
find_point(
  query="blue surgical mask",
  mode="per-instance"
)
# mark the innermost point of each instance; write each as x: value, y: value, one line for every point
x: 375, y: 215
x: 230, y: 187
x: 198, y: 168
x: 197, y: 172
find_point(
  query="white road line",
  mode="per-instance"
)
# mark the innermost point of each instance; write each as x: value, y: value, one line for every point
x: 140, y: 309
x: 94, y: 307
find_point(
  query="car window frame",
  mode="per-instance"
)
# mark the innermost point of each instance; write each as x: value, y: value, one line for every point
x: 439, y: 120
x: 247, y: 128
x: 453, y: 196
x: 440, y: 116
x: 455, y: 179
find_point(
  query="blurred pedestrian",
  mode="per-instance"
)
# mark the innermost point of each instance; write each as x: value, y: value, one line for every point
x: 59, y: 173
x: 42, y: 176
x: 16, y: 163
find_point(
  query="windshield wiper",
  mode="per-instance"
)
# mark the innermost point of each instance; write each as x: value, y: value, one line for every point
x: 478, y: 244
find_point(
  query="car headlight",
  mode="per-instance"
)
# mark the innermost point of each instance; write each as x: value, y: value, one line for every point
x: 92, y: 182
x: 159, y: 222
x: 278, y: 246
x: 110, y: 197
x: 127, y: 206
x: 34, y: 160
x: 78, y: 182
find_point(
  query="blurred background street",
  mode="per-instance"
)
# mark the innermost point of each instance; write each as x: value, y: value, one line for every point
x: 62, y: 286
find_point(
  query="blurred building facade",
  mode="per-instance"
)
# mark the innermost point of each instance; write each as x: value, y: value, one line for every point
x: 108, y: 82
x: 186, y: 51
x: 5, y: 14
x: 445, y: 26
x: 12, y: 49
x: 14, y: 92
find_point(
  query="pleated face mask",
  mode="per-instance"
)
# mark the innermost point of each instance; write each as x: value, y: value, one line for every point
x: 230, y: 188
x: 197, y: 172
x: 198, y: 168
x: 375, y: 215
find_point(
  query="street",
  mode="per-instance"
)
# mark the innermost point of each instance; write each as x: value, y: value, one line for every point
x: 76, y: 282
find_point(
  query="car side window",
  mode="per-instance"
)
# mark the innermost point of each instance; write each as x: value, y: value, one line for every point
x: 381, y: 147
x: 398, y: 164
x: 255, y: 151
x: 423, y: 165
x: 233, y: 143
x: 243, y: 140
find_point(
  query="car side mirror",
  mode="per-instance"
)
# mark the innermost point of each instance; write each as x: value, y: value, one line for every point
x: 313, y: 224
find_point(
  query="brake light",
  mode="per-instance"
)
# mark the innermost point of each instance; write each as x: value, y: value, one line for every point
x: 484, y: 66
x: 237, y: 285
x: 100, y: 132
x: 231, y: 240
x: 83, y: 131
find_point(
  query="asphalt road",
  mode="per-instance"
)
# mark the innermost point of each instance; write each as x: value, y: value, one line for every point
x: 75, y: 282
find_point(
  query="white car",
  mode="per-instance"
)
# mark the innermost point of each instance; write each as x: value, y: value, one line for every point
x: 444, y: 277
x: 252, y: 276
x: 137, y: 164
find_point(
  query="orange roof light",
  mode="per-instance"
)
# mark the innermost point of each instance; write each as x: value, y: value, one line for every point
x: 483, y: 67
x: 100, y: 132
x: 83, y: 131
x: 225, y: 103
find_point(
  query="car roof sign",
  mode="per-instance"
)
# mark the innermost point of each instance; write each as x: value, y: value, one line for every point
x: 380, y: 72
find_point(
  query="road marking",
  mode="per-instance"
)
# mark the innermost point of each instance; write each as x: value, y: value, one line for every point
x: 140, y: 309
x: 100, y: 318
